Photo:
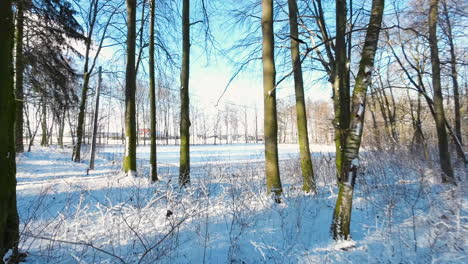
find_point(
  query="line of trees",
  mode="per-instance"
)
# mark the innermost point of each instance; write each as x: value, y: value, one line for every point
x: 370, y: 62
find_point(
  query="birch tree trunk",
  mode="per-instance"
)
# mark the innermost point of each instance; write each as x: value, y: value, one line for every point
x: 342, y: 214
x: 444, y: 154
x: 9, y: 221
x: 269, y: 94
x: 129, y: 162
x: 306, y: 162
x: 184, y: 168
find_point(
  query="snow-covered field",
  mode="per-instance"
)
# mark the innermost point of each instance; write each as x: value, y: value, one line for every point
x: 401, y: 214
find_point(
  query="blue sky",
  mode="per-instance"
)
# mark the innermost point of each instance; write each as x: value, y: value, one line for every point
x: 210, y: 74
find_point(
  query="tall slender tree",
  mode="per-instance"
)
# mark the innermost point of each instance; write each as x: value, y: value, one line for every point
x: 129, y: 162
x: 350, y: 165
x: 184, y: 168
x: 95, y: 121
x: 306, y: 161
x: 269, y: 93
x: 44, y: 141
x: 444, y: 154
x: 9, y: 221
x: 341, y: 102
x: 93, y: 11
x: 152, y: 87
x: 454, y: 75
x: 91, y: 20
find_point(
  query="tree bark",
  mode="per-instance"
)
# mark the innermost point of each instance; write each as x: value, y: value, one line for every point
x: 84, y: 96
x: 9, y: 221
x: 129, y: 161
x: 340, y: 91
x: 269, y: 94
x: 19, y: 68
x: 61, y: 127
x: 153, y: 172
x: 184, y: 169
x: 444, y: 154
x: 81, y: 114
x: 306, y: 161
x: 342, y: 214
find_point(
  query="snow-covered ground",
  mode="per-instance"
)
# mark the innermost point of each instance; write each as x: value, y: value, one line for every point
x: 401, y: 214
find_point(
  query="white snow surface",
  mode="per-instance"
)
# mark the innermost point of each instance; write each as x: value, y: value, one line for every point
x: 400, y: 214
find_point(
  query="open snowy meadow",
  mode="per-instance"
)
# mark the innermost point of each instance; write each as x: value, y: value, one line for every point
x: 401, y: 213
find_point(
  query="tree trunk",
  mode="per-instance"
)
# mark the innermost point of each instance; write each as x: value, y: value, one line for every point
x: 95, y: 122
x: 81, y: 114
x: 444, y: 154
x: 72, y: 133
x: 153, y: 172
x: 418, y: 137
x: 256, y: 125
x: 50, y: 131
x: 306, y: 162
x: 375, y: 127
x: 129, y: 161
x: 61, y: 127
x: 342, y: 214
x: 246, y: 128
x: 19, y: 68
x: 9, y: 221
x: 44, y: 121
x: 340, y: 91
x: 184, y: 169
x: 454, y: 76
x: 273, y: 179
x: 32, y: 135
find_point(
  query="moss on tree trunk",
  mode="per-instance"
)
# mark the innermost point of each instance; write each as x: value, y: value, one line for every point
x: 184, y: 169
x: 269, y: 93
x: 306, y: 161
x: 129, y: 162
x: 350, y: 158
